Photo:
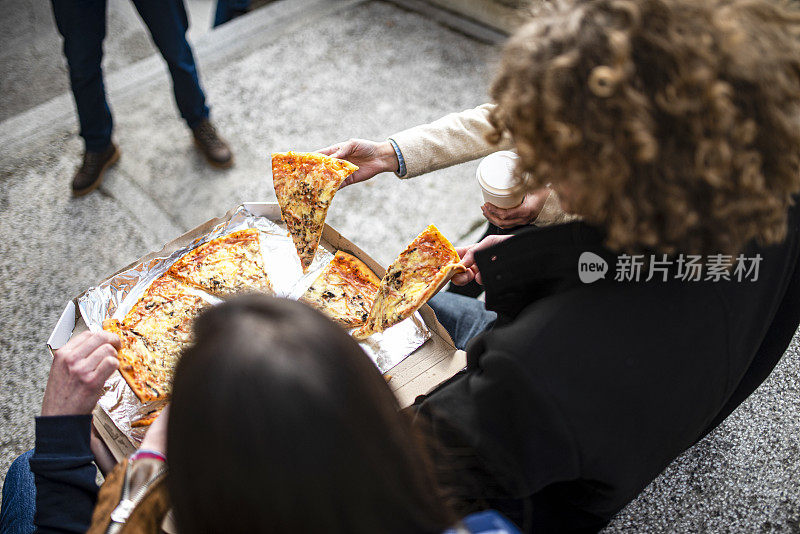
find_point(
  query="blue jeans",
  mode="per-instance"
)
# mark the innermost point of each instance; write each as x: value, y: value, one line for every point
x: 463, y: 317
x: 19, y: 498
x: 227, y: 8
x: 82, y: 23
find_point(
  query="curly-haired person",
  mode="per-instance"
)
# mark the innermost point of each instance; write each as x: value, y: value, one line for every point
x: 672, y: 129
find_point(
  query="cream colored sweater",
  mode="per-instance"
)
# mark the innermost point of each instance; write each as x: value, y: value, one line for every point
x: 457, y: 138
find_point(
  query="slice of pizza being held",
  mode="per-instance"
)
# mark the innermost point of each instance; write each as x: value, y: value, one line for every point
x: 226, y: 265
x: 344, y: 291
x: 153, y: 334
x: 305, y: 184
x: 420, y: 271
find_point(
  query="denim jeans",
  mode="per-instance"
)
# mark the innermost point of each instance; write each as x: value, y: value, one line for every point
x: 82, y: 24
x: 19, y: 498
x: 463, y: 317
x: 227, y: 8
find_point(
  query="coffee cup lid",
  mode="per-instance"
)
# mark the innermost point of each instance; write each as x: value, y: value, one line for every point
x: 496, y: 172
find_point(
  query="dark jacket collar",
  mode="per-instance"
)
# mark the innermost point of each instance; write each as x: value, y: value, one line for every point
x: 537, y: 262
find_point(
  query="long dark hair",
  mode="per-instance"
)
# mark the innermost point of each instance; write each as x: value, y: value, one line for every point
x: 280, y: 423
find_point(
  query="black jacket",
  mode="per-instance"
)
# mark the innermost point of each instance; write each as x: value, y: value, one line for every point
x: 582, y: 394
x: 64, y: 473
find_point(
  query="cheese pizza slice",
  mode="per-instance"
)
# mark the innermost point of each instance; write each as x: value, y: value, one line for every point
x: 420, y: 271
x: 344, y: 291
x: 225, y: 265
x: 305, y: 184
x: 153, y: 334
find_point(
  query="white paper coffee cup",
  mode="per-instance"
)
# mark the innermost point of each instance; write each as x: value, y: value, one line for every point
x: 496, y: 177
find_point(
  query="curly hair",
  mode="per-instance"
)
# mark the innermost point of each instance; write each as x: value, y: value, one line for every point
x: 674, y: 125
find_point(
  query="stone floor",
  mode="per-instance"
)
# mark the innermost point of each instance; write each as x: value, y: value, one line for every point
x: 297, y: 74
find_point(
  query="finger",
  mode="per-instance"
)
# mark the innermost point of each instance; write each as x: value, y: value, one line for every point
x: 104, y: 369
x: 468, y: 259
x: 504, y: 214
x: 464, y: 278
x: 500, y: 213
x: 354, y: 178
x: 517, y: 212
x: 461, y: 251
x: 492, y: 217
x: 87, y: 365
x: 95, y: 340
x: 75, y: 341
x: 328, y: 150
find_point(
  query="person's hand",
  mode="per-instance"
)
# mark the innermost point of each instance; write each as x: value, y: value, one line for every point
x: 78, y: 372
x: 156, y: 437
x: 372, y: 158
x: 102, y: 454
x: 525, y: 213
x: 467, y: 255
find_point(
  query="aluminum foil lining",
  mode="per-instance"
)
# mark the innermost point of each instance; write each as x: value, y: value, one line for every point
x: 116, y: 296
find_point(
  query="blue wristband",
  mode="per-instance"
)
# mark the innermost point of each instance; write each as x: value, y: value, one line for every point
x: 401, y: 170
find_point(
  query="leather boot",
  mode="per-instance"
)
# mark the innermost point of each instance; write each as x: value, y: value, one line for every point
x: 89, y: 175
x: 213, y: 147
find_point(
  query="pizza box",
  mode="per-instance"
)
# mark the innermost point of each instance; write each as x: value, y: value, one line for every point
x: 431, y: 364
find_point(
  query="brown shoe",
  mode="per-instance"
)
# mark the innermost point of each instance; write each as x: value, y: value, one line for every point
x: 90, y: 174
x: 213, y: 147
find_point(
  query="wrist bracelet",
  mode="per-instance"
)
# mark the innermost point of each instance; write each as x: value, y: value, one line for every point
x: 401, y: 170
x: 147, y: 453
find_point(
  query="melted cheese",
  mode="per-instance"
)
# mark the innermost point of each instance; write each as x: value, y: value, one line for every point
x: 345, y: 291
x: 226, y: 265
x: 410, y: 279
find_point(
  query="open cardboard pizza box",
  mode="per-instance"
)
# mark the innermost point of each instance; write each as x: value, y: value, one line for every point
x: 428, y: 366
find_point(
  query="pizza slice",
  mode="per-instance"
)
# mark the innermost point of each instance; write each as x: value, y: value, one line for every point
x: 344, y: 291
x: 153, y: 334
x: 147, y: 419
x: 305, y: 184
x: 225, y: 265
x: 141, y: 365
x: 420, y: 271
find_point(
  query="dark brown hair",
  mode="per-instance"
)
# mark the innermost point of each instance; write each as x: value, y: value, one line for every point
x: 674, y: 125
x: 280, y: 423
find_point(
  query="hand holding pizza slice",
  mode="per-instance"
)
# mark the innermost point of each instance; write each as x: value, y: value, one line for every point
x: 305, y: 184
x: 420, y: 271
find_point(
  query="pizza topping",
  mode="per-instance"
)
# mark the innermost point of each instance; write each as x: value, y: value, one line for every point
x: 225, y: 265
x: 344, y: 290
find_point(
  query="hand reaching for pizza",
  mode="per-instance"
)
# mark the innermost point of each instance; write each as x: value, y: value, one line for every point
x: 525, y: 213
x: 467, y: 255
x: 78, y: 372
x: 372, y: 158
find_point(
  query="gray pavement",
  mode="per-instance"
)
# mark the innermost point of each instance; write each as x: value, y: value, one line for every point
x: 300, y: 74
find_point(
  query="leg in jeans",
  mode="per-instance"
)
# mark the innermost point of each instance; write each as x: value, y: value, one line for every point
x: 82, y: 24
x: 462, y: 317
x: 168, y: 22
x: 229, y: 9
x: 19, y: 498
